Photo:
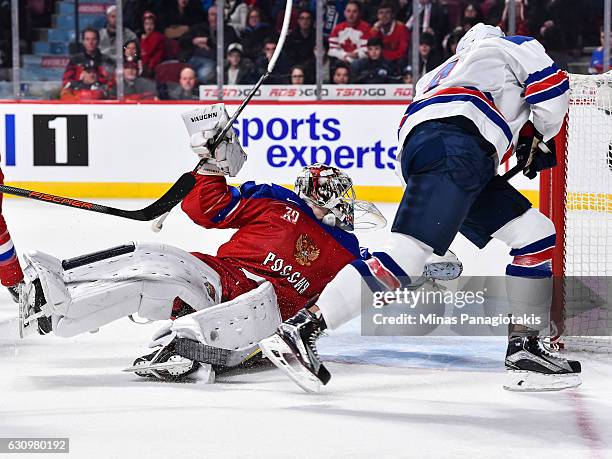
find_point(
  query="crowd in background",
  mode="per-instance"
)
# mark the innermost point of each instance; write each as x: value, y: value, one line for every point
x: 170, y: 46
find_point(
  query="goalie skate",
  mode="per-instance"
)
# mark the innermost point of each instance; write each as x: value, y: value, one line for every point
x: 32, y: 319
x: 165, y: 364
x: 533, y: 368
x: 292, y: 349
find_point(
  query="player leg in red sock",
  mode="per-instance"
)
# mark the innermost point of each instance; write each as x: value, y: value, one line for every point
x: 10, y: 270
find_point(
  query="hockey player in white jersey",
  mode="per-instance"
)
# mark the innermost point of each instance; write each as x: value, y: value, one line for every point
x: 463, y: 122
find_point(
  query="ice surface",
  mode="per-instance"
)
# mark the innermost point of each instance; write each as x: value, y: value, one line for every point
x: 388, y: 397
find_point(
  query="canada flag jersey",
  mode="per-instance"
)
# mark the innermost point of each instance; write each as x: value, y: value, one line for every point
x: 278, y: 239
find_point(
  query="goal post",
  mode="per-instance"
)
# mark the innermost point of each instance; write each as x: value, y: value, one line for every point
x: 577, y: 196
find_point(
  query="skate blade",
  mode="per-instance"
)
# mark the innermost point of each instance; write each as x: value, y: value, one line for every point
x: 529, y: 381
x: 152, y: 368
x: 281, y: 355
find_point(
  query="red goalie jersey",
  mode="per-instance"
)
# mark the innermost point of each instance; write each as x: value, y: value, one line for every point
x: 278, y: 239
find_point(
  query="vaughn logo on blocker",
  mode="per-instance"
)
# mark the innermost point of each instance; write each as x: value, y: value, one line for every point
x: 60, y: 140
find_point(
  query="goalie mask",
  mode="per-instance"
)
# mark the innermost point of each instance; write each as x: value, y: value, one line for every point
x: 330, y: 188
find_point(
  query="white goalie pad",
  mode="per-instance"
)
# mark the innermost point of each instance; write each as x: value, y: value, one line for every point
x: 143, y: 281
x: 236, y: 325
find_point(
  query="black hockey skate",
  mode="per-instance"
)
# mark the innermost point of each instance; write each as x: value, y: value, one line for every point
x: 14, y: 291
x: 532, y: 367
x: 293, y: 349
x: 164, y: 363
x: 31, y: 315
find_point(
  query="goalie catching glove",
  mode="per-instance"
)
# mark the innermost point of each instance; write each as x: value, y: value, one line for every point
x: 203, y: 126
x: 535, y: 154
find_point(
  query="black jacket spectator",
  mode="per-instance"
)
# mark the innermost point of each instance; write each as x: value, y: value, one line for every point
x: 433, y: 18
x: 238, y: 70
x: 429, y: 57
x: 372, y: 69
x: 254, y: 34
x: 206, y: 30
x: 301, y: 41
x: 281, y: 69
x: 177, y: 13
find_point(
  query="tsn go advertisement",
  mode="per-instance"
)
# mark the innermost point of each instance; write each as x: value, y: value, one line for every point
x: 148, y: 143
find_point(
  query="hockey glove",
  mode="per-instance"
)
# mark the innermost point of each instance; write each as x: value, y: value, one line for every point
x: 535, y: 154
x: 203, y: 126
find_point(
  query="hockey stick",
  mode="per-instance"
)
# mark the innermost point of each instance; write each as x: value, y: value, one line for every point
x: 157, y: 226
x: 169, y: 199
x: 181, y: 187
x: 513, y: 171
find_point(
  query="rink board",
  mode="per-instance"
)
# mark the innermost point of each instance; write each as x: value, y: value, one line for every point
x: 136, y: 150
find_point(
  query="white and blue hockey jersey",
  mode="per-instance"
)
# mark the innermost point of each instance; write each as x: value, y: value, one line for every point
x: 497, y: 83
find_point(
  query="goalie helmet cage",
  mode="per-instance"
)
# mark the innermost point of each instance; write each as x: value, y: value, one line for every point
x: 576, y: 195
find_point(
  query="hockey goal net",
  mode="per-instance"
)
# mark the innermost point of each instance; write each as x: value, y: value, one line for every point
x: 576, y: 195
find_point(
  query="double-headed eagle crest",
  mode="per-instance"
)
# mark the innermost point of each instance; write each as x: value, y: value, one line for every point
x: 306, y: 250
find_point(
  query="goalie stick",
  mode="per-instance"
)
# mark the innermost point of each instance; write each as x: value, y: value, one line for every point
x: 170, y: 198
x: 157, y: 226
x: 182, y: 186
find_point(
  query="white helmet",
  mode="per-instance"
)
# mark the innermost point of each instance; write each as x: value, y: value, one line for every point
x: 479, y: 32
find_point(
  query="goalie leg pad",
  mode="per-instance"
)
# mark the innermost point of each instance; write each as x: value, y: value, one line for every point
x: 236, y: 325
x: 144, y: 281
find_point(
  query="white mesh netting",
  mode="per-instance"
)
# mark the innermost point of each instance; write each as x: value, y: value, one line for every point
x: 588, y: 219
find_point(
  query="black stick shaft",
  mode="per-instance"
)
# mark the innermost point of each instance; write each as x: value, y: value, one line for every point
x: 168, y: 200
x: 512, y: 172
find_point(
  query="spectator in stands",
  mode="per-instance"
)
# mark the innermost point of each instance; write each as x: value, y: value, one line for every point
x: 236, y: 12
x: 521, y: 21
x: 450, y: 42
x: 432, y: 17
x: 199, y: 51
x: 394, y: 34
x: 254, y: 34
x: 90, y: 57
x: 597, y: 58
x: 178, y: 15
x: 238, y: 70
x: 187, y: 88
x: 131, y: 53
x: 348, y: 40
x: 229, y: 34
x: 429, y: 58
x: 297, y: 75
x: 342, y: 73
x: 87, y: 87
x: 151, y: 44
x: 373, y: 69
x: 553, y: 40
x: 108, y: 35
x: 131, y: 50
x: 472, y: 15
x: 333, y: 14
x: 301, y: 42
x: 568, y: 15
x: 406, y: 74
x: 136, y: 87
x: 132, y: 13
x: 281, y: 69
